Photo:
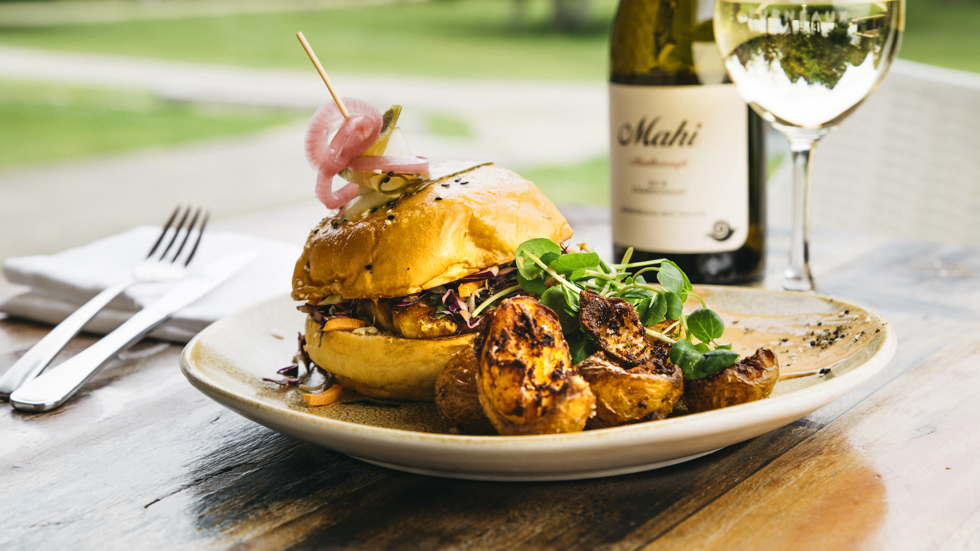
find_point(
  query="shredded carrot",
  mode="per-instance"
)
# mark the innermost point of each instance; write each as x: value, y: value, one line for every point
x: 467, y: 289
x: 328, y: 396
x: 343, y: 324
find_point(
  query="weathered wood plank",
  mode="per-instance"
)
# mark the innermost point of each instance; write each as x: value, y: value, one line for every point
x: 142, y: 458
x: 897, y: 472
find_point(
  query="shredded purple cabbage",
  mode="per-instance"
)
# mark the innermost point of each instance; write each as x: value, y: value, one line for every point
x: 452, y: 301
x: 409, y: 300
x: 304, y: 355
x: 494, y: 274
x: 292, y: 372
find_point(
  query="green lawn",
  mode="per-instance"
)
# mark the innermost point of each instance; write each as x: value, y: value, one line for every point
x: 43, y: 123
x: 944, y: 33
x: 581, y: 184
x: 448, y: 38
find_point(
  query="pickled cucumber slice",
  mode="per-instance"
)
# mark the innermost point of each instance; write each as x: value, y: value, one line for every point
x: 388, y: 122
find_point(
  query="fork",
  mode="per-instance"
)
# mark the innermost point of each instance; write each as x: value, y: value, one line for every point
x: 155, y: 268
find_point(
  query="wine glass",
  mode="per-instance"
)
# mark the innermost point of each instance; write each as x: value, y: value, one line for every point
x: 804, y: 67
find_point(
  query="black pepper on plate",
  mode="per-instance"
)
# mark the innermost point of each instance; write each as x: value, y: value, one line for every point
x: 438, y: 198
x: 463, y: 183
x: 444, y: 185
x: 391, y: 217
x: 368, y: 267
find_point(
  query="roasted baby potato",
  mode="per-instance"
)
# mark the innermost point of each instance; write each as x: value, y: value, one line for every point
x: 419, y: 321
x: 526, y: 382
x: 646, y: 392
x: 749, y: 379
x: 616, y: 328
x: 660, y: 350
x: 457, y: 398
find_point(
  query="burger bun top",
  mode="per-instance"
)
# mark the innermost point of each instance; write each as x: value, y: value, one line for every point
x: 451, y: 228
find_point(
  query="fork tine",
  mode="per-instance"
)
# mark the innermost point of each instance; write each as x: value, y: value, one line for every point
x: 163, y: 233
x: 200, y: 233
x: 190, y: 227
x: 177, y: 229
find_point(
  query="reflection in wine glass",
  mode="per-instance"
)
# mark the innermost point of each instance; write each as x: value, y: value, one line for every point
x: 804, y: 67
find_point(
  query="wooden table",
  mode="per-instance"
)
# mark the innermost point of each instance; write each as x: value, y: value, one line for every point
x: 141, y: 460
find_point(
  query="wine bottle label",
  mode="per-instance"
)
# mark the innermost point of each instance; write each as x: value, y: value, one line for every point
x: 679, y: 168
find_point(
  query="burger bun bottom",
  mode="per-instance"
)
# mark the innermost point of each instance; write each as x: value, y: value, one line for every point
x: 382, y: 365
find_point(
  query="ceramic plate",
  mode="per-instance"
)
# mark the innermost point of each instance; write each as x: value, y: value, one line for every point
x: 227, y: 361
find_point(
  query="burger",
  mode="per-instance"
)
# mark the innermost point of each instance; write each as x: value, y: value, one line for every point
x: 394, y: 289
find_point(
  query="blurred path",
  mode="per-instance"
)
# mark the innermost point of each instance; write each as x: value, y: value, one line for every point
x: 515, y: 124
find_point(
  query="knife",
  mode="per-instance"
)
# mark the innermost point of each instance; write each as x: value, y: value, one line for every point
x: 53, y: 388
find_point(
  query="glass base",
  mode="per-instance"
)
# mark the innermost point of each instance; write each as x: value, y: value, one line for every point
x: 794, y: 280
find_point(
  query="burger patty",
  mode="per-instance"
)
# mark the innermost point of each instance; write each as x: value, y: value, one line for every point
x: 420, y: 320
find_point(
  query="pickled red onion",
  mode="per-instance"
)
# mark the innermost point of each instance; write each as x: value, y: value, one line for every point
x: 333, y: 141
x: 387, y: 163
x: 330, y: 198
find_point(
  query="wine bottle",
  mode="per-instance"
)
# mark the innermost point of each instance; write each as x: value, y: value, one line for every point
x: 687, y: 155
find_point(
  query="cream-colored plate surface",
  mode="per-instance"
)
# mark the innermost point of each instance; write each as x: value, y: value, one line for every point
x: 227, y: 360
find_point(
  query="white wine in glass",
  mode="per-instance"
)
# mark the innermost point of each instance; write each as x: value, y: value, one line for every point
x: 804, y: 67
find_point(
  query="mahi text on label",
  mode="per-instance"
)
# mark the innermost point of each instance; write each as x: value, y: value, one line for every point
x: 648, y: 134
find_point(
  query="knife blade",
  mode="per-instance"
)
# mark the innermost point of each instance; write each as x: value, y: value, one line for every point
x: 53, y: 388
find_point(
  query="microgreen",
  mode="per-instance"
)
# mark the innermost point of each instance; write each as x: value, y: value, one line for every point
x: 698, y: 362
x: 542, y: 248
x: 574, y: 264
x: 705, y: 325
x: 580, y: 346
x: 559, y: 277
x: 534, y: 286
x: 673, y: 279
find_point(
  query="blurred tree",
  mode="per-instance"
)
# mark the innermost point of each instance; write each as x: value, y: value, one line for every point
x: 571, y: 15
x: 566, y: 16
x: 519, y: 14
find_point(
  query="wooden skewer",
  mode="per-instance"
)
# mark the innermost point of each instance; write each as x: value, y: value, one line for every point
x: 323, y: 74
x: 799, y: 374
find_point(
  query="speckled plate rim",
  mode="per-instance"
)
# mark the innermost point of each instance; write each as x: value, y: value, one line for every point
x: 589, y: 454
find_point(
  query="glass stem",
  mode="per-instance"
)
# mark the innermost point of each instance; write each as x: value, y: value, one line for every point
x: 797, y: 276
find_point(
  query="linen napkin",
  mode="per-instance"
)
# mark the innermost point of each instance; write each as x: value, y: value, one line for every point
x: 62, y: 282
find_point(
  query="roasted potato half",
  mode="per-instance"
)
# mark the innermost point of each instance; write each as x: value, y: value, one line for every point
x: 616, y: 328
x: 526, y: 382
x: 660, y: 349
x: 646, y: 392
x: 457, y: 397
x: 749, y: 379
